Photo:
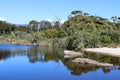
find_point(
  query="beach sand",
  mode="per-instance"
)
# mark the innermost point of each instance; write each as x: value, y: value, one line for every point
x: 105, y: 51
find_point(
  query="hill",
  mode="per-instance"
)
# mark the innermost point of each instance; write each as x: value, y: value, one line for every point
x: 91, y: 31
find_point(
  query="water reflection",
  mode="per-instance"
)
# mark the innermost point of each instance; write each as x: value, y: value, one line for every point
x: 79, y: 69
x: 4, y: 55
x: 103, y: 58
x: 33, y: 53
x: 45, y: 54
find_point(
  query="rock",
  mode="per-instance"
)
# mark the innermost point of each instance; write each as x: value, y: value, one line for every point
x: 90, y: 62
x: 69, y: 54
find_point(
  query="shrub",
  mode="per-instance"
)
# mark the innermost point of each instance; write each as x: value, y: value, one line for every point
x: 51, y: 33
x: 106, y: 39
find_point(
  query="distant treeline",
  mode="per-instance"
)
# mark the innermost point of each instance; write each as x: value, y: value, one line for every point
x: 7, y: 28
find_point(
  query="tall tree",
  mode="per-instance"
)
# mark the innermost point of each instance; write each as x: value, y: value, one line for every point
x: 33, y: 24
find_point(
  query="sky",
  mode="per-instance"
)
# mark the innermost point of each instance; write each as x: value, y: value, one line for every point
x: 23, y: 11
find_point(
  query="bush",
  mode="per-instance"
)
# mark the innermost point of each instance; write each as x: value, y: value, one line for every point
x: 51, y: 33
x: 106, y: 39
x: 61, y: 33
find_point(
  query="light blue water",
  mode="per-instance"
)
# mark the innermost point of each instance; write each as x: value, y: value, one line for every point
x: 18, y: 62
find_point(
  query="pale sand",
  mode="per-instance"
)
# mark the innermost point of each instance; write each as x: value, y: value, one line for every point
x: 105, y: 51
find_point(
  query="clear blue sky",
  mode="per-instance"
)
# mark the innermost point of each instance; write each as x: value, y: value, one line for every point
x: 22, y: 11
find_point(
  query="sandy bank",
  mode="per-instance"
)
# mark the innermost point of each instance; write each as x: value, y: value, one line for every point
x: 105, y: 51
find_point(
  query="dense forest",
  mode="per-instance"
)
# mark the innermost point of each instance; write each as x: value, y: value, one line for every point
x: 81, y: 30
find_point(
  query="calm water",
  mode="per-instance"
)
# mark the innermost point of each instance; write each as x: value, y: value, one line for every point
x: 19, y: 62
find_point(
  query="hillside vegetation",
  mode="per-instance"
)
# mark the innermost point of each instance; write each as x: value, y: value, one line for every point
x: 91, y: 31
x: 81, y: 30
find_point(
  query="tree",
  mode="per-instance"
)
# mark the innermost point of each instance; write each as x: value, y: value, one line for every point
x: 119, y: 18
x: 85, y: 14
x: 6, y: 28
x: 114, y: 18
x: 44, y: 25
x: 33, y: 22
x: 76, y: 12
x: 57, y: 24
x: 33, y: 25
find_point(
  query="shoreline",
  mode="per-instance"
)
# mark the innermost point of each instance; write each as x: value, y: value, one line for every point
x: 28, y: 44
x: 104, y: 51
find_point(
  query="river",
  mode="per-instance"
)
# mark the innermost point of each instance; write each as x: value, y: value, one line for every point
x: 21, y: 62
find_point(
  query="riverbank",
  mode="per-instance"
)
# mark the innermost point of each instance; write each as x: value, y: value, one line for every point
x: 105, y: 51
x: 44, y: 44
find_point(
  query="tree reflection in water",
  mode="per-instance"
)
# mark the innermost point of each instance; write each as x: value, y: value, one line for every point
x: 4, y: 55
x: 45, y: 54
x: 79, y: 69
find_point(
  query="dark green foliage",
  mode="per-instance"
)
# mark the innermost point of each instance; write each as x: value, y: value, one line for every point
x: 69, y: 43
x: 82, y: 40
x: 91, y: 31
x: 115, y: 36
x: 61, y: 33
x: 106, y: 39
x: 7, y: 28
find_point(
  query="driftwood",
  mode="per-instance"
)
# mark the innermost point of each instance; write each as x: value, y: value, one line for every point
x: 69, y: 54
x: 90, y: 62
